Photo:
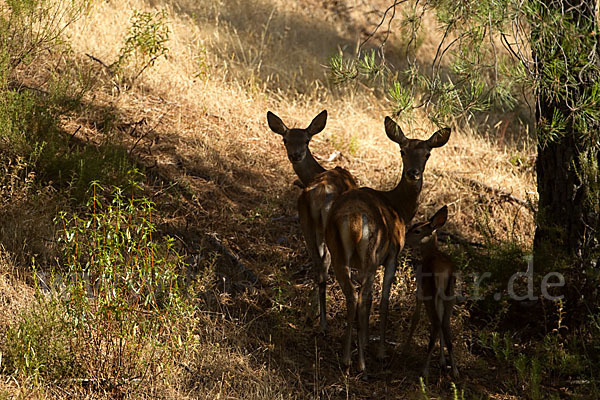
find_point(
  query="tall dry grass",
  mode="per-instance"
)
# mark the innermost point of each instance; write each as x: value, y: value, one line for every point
x: 231, y: 61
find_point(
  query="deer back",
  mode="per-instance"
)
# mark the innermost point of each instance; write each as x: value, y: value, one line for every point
x: 322, y: 191
x: 367, y: 224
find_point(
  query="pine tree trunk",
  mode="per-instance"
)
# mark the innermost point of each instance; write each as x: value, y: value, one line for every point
x: 566, y: 220
x: 566, y: 237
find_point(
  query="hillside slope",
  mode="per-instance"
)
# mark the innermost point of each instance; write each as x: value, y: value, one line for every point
x: 194, y: 123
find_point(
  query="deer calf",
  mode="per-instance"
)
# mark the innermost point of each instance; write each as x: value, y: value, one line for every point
x: 435, y: 287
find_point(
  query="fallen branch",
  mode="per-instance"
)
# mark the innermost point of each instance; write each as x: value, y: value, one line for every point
x: 109, y: 68
x: 99, y: 61
x: 501, y: 194
x: 234, y: 258
x: 458, y: 240
x: 74, y: 133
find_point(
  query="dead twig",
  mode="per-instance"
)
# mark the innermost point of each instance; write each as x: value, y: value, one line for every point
x: 452, y: 238
x: 109, y: 68
x: 391, y: 8
x: 74, y: 133
x: 145, y: 134
x: 213, y: 239
x: 99, y: 61
x: 499, y: 193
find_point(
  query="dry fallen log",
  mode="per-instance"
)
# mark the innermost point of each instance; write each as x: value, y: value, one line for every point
x: 498, y: 193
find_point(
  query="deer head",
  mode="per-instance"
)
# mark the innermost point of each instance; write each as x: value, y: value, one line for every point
x: 424, y: 233
x: 414, y: 152
x: 296, y: 140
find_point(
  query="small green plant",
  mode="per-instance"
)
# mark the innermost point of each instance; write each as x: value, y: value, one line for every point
x: 457, y: 394
x: 40, y: 345
x: 502, y: 346
x: 120, y: 291
x: 202, y: 62
x: 353, y: 145
x: 145, y: 43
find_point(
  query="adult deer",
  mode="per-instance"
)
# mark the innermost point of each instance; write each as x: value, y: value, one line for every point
x: 296, y: 144
x: 435, y: 287
x: 320, y: 189
x: 366, y: 229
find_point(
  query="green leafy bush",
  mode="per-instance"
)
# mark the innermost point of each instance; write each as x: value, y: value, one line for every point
x: 114, y: 316
x: 145, y: 43
x: 41, y: 345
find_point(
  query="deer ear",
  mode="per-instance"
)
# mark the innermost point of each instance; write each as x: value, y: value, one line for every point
x: 276, y: 124
x: 439, y: 218
x: 318, y: 123
x: 439, y: 138
x: 394, y: 132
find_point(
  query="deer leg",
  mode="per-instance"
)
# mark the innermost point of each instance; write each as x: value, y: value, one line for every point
x: 440, y: 318
x: 315, y: 251
x: 448, y: 337
x: 434, y: 331
x: 351, y: 301
x: 364, y: 310
x: 442, y: 355
x: 388, y: 278
x: 417, y: 313
x: 321, y: 275
x: 344, y: 278
x: 413, y: 325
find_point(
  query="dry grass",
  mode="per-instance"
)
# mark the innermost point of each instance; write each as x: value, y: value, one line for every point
x: 205, y: 106
x: 226, y: 68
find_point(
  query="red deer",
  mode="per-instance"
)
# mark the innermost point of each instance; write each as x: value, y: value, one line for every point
x: 320, y: 189
x: 366, y: 229
x: 435, y: 287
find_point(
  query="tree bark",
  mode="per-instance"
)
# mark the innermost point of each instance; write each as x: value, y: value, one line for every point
x: 566, y: 237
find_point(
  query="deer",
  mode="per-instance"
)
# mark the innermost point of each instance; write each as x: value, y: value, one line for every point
x: 296, y: 143
x: 320, y: 188
x: 366, y: 229
x: 435, y: 288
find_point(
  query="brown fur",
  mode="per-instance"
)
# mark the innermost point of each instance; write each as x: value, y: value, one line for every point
x: 366, y: 229
x: 435, y: 288
x: 314, y: 205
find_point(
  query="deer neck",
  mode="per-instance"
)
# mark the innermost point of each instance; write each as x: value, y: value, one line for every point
x: 405, y: 197
x: 307, y: 168
x: 430, y: 247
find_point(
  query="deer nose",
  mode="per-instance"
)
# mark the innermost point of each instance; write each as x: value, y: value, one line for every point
x: 295, y: 157
x: 414, y: 174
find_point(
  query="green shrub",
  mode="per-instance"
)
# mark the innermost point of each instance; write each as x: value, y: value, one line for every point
x: 30, y: 118
x: 145, y: 42
x: 124, y: 288
x: 40, y: 345
x: 115, y: 316
x: 31, y: 27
